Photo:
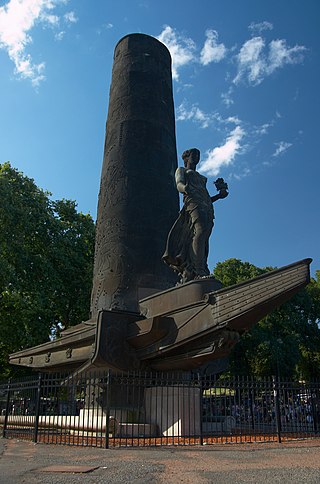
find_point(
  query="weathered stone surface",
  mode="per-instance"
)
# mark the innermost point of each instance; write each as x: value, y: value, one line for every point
x: 138, y: 201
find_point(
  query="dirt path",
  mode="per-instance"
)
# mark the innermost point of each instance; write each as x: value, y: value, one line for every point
x: 25, y: 462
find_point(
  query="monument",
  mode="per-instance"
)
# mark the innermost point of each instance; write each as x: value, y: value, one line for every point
x: 140, y: 318
x: 138, y: 201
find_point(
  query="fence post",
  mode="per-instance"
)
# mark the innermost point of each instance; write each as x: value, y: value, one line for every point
x: 314, y: 410
x: 38, y: 401
x: 108, y: 409
x: 250, y: 393
x: 201, y: 409
x: 5, y: 423
x: 277, y: 406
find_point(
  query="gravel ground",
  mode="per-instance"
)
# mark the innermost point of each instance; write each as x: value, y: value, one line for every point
x: 25, y: 462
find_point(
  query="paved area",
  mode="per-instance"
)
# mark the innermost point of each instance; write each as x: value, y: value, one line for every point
x: 25, y: 462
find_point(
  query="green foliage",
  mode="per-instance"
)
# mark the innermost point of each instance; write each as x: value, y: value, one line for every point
x: 287, y: 341
x: 46, y: 256
x: 233, y: 271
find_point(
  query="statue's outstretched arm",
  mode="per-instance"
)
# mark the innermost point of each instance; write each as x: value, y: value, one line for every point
x: 222, y: 188
x: 221, y: 194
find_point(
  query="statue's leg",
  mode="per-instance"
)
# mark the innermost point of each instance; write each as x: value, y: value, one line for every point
x: 202, y: 231
x: 210, y: 227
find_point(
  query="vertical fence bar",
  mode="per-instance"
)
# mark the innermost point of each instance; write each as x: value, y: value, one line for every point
x: 154, y: 386
x: 132, y: 396
x: 37, y: 409
x: 240, y: 392
x: 54, y: 419
x: 181, y: 427
x: 200, y: 408
x: 164, y: 423
x: 251, y: 400
x: 143, y: 396
x: 108, y: 410
x: 94, y: 422
x: 6, y: 417
x: 45, y: 404
x: 277, y: 407
x: 314, y: 409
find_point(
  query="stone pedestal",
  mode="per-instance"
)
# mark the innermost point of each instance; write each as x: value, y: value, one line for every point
x: 175, y: 410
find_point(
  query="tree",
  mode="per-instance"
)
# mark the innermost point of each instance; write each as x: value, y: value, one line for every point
x: 309, y: 343
x: 46, y: 258
x: 234, y: 271
x: 287, y: 341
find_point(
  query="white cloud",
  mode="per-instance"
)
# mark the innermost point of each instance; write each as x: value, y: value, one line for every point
x: 50, y: 19
x: 226, y: 97
x: 242, y: 137
x: 280, y: 54
x: 212, y: 51
x: 243, y: 174
x: 260, y: 26
x: 194, y: 113
x: 186, y: 112
x: 17, y: 19
x: 70, y: 17
x: 181, y: 48
x: 233, y: 119
x: 264, y: 128
x: 254, y: 64
x: 59, y: 35
x: 255, y: 60
x: 250, y: 61
x: 223, y: 155
x: 282, y: 146
x: 104, y: 27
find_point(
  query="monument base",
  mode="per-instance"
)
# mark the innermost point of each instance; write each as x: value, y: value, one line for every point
x: 182, y: 328
x: 175, y: 410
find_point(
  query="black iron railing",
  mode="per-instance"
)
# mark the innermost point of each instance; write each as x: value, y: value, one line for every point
x: 108, y: 409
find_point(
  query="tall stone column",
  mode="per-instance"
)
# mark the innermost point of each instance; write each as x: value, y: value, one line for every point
x: 138, y: 200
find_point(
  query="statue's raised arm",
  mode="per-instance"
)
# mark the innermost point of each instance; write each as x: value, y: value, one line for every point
x: 188, y: 241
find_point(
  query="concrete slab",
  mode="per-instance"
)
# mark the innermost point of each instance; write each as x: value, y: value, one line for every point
x: 69, y: 469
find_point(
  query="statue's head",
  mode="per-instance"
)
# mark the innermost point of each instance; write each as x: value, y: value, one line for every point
x: 191, y: 158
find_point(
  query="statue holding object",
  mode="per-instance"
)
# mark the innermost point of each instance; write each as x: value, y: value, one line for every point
x: 188, y: 240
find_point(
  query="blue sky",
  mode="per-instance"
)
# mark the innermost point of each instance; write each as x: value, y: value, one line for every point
x: 246, y: 77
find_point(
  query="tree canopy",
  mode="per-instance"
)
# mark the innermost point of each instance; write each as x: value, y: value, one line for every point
x: 46, y: 258
x: 287, y: 341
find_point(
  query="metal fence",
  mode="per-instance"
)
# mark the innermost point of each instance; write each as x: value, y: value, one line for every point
x: 149, y: 409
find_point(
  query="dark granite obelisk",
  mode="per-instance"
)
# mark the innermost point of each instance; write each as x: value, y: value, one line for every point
x: 138, y: 200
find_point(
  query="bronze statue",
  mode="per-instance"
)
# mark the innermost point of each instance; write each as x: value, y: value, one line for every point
x: 188, y: 240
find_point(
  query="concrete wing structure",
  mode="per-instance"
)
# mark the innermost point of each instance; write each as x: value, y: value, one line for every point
x: 180, y: 328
